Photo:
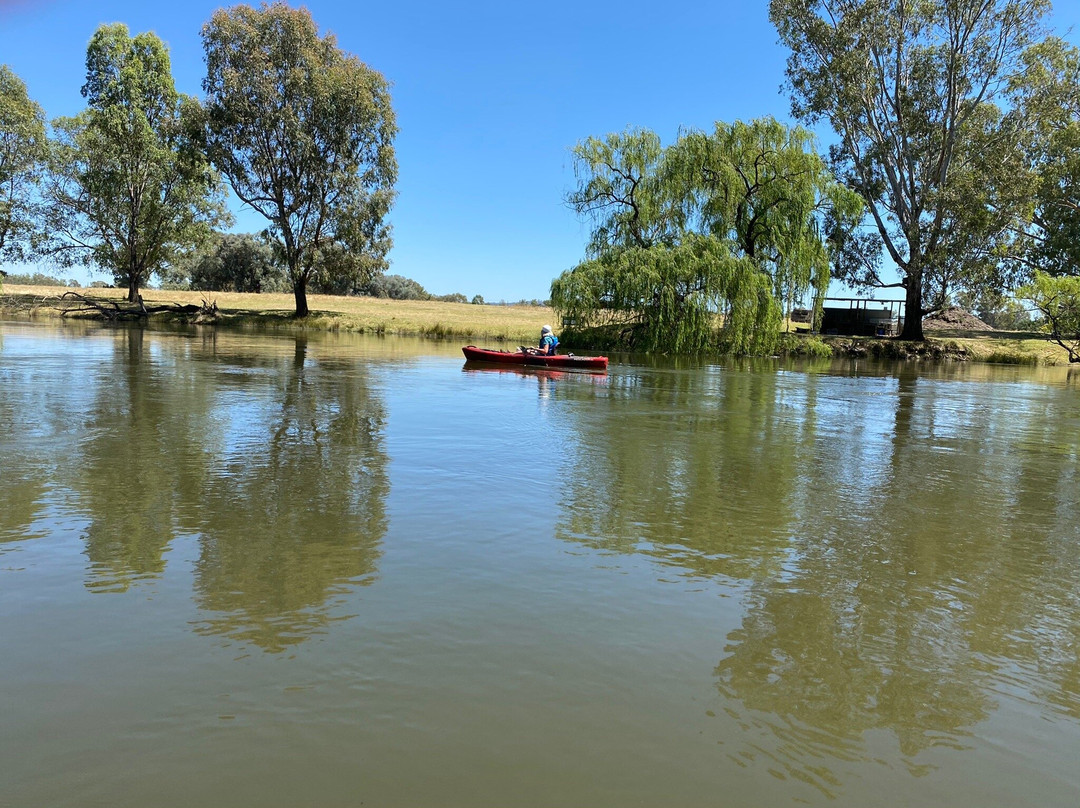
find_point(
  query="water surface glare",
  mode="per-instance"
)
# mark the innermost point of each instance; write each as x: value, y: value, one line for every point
x: 251, y: 570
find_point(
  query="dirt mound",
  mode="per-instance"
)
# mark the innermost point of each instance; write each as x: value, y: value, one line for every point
x: 954, y: 319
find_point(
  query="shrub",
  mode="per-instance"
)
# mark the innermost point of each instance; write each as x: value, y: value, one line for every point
x: 455, y: 297
x: 237, y: 263
x: 395, y: 287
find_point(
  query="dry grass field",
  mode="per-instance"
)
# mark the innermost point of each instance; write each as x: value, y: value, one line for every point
x: 1006, y: 347
x: 515, y: 324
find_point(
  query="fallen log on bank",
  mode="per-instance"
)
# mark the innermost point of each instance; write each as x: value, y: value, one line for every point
x: 75, y: 303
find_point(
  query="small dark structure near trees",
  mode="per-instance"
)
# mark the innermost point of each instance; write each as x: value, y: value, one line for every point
x: 862, y: 318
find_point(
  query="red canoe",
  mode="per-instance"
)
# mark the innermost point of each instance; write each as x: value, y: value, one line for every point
x: 518, y: 358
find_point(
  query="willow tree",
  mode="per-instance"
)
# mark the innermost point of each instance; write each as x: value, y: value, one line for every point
x: 22, y: 155
x: 128, y: 186
x: 762, y: 188
x: 667, y: 298
x: 908, y: 87
x: 716, y: 228
x: 304, y: 134
x: 622, y: 187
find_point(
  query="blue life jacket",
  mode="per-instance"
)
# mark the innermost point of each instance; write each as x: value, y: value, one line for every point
x: 548, y: 342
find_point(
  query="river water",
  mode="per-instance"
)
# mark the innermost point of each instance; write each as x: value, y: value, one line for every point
x: 252, y: 570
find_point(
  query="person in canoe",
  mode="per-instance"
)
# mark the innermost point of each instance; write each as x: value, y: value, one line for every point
x: 548, y: 343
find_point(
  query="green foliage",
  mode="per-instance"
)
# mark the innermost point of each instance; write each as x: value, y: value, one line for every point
x: 694, y: 244
x: 129, y: 189
x: 478, y: 300
x: 336, y: 270
x: 22, y: 154
x: 621, y: 187
x: 303, y: 132
x: 1058, y: 300
x: 804, y: 345
x: 997, y: 310
x: 909, y: 90
x: 673, y: 298
x: 395, y: 287
x: 760, y: 186
x: 1048, y: 105
x: 453, y: 297
x: 34, y: 279
x: 233, y: 262
x: 1009, y: 356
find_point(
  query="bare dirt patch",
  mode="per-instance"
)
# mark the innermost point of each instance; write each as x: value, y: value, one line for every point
x: 954, y: 319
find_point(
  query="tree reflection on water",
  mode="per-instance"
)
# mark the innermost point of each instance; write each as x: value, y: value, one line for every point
x: 141, y: 466
x: 272, y: 461
x: 903, y: 548
x: 298, y: 504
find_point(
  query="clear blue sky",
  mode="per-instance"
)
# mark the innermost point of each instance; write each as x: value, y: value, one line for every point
x: 490, y: 96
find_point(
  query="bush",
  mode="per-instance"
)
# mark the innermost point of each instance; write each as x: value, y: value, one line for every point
x: 455, y: 297
x: 236, y: 263
x: 395, y: 287
x: 804, y: 345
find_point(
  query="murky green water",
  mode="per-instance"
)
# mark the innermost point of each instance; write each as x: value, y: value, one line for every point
x: 257, y: 571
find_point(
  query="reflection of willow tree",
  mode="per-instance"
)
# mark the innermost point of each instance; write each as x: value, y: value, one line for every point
x: 677, y: 467
x: 299, y: 508
x: 910, y: 601
x: 909, y: 545
x: 142, y: 465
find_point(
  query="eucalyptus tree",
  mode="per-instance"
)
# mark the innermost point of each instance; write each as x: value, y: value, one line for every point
x: 1048, y: 106
x: 129, y: 187
x: 22, y: 155
x: 724, y: 223
x: 909, y: 90
x: 303, y: 131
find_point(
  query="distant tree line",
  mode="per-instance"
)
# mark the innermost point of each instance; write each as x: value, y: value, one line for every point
x: 34, y: 279
x: 246, y: 262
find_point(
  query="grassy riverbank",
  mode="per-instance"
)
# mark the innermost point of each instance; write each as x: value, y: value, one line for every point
x: 1000, y: 347
x: 368, y: 315
x: 514, y: 325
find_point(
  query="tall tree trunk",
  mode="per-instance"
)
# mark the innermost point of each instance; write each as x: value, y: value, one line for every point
x: 133, y: 287
x: 913, y: 310
x: 300, y: 293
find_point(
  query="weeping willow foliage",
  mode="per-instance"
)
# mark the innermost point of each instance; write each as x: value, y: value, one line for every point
x: 687, y: 298
x: 697, y: 245
x: 621, y: 184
